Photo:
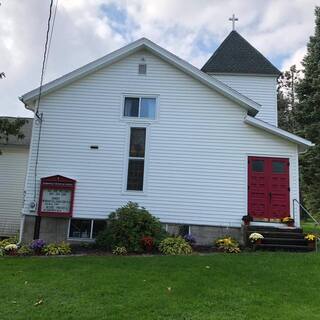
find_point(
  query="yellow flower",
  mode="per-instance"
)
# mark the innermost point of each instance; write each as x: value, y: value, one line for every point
x: 310, y: 237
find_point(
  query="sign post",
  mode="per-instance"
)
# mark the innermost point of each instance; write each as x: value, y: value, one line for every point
x: 56, y: 197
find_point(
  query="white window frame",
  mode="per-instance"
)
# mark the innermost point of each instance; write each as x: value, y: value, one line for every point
x: 127, y: 158
x: 139, y: 96
x: 90, y: 239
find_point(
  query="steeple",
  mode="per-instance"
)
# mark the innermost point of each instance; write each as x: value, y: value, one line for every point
x: 237, y: 55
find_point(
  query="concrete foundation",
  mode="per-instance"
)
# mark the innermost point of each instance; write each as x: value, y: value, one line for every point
x: 206, y: 235
x: 51, y: 229
x: 56, y: 230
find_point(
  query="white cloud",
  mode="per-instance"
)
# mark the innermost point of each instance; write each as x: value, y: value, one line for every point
x: 191, y: 29
x: 295, y: 58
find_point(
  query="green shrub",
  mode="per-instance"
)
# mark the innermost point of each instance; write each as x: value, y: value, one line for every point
x: 175, y: 246
x: 127, y: 226
x: 119, y: 251
x: 5, y: 242
x: 64, y: 248
x: 54, y: 249
x: 228, y: 244
x: 24, y: 251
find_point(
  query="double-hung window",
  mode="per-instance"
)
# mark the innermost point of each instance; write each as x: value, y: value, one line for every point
x: 136, y: 161
x: 140, y: 107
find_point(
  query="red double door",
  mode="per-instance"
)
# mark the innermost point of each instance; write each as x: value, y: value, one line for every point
x: 268, y: 188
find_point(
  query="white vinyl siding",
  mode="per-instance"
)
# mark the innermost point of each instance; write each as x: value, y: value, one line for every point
x: 262, y: 89
x: 13, y: 167
x: 197, y: 149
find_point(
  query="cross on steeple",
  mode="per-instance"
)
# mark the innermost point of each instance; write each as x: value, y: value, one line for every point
x: 233, y: 19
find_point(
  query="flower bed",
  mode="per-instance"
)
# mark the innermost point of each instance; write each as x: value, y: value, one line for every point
x: 10, y: 247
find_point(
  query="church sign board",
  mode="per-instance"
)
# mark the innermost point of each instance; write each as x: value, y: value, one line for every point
x: 56, y: 196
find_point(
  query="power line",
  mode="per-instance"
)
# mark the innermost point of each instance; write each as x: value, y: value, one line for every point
x: 44, y: 58
x: 50, y: 39
x: 44, y: 62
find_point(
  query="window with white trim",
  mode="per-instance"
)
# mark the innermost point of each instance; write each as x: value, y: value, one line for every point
x: 136, y: 161
x: 140, y: 107
x: 85, y: 229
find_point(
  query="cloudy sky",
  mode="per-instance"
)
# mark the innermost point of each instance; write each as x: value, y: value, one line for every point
x: 88, y: 29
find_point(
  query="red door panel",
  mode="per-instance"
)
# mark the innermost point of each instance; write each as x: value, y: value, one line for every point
x: 258, y: 188
x: 268, y: 188
x: 279, y: 188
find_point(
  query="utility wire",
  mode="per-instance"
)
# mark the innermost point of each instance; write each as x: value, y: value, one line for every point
x: 44, y: 58
x: 50, y: 39
x: 44, y: 62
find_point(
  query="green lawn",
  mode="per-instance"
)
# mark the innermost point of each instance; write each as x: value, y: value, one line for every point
x: 310, y: 227
x: 218, y: 286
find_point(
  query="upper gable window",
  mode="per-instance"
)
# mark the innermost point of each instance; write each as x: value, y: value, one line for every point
x: 142, y: 69
x: 140, y: 107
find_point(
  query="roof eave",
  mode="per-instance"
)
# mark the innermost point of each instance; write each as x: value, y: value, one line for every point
x: 219, y: 73
x: 302, y: 143
x: 31, y: 96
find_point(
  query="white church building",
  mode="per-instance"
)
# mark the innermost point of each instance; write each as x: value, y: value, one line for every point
x: 195, y: 147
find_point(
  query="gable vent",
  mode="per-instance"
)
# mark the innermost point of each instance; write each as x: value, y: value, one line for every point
x: 142, y: 68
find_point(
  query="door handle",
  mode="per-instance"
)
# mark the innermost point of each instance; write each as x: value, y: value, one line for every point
x: 270, y: 196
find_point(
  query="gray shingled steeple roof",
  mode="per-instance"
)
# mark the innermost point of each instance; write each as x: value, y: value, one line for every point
x: 237, y: 55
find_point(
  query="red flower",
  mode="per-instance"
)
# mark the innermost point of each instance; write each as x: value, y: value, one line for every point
x: 147, y: 243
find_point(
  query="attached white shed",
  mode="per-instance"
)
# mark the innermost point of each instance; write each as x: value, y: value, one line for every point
x: 13, y: 167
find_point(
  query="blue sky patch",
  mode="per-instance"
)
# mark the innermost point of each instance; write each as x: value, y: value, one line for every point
x: 117, y: 17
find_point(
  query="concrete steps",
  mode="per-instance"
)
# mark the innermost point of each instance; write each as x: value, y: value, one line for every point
x: 285, y: 239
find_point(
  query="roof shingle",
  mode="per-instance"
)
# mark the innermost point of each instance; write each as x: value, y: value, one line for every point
x: 237, y: 55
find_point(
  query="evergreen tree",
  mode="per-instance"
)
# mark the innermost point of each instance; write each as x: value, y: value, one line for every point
x: 307, y: 117
x: 283, y: 109
x: 287, y: 98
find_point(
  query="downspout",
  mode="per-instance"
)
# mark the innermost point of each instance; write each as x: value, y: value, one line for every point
x: 22, y: 220
x: 37, y: 118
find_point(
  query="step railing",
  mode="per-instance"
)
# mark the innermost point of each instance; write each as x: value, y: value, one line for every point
x: 309, y: 214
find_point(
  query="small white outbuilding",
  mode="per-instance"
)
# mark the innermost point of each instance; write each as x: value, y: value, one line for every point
x: 14, y: 155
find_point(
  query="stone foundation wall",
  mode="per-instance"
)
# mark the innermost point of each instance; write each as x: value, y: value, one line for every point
x: 206, y: 235
x: 51, y: 229
x: 56, y: 229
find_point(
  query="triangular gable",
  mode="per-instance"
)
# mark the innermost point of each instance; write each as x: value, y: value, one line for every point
x: 251, y: 106
x: 58, y: 178
x: 302, y: 143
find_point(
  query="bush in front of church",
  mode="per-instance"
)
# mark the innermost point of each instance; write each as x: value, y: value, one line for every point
x: 127, y: 226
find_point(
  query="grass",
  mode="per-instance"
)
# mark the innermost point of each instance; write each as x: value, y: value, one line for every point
x: 218, y: 286
x: 310, y: 227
